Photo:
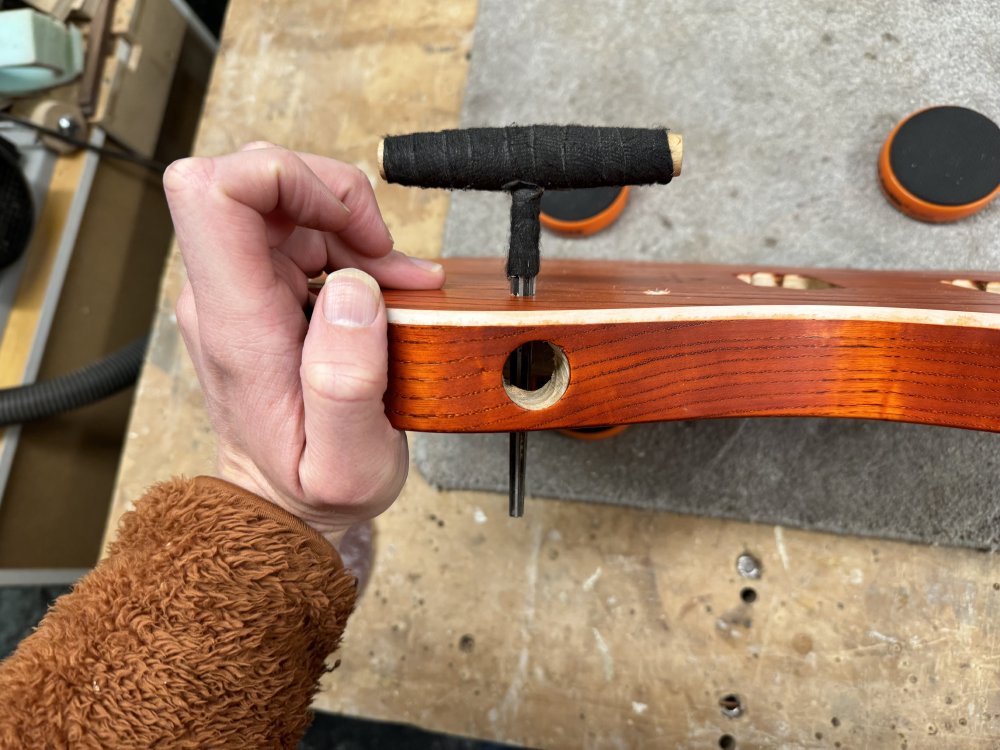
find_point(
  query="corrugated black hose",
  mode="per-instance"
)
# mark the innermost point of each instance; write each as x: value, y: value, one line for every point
x: 84, y: 386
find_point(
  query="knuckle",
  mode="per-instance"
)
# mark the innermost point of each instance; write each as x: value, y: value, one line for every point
x: 281, y: 159
x: 358, y: 178
x: 342, y: 386
x: 355, y: 182
x: 221, y: 364
x: 257, y: 145
x: 185, y: 309
x: 360, y: 185
x: 279, y: 165
x: 186, y: 174
x: 359, y: 196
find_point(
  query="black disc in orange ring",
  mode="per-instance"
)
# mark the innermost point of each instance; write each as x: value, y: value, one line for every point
x: 582, y: 211
x: 941, y: 164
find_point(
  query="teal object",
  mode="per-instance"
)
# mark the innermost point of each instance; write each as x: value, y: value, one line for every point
x: 36, y: 52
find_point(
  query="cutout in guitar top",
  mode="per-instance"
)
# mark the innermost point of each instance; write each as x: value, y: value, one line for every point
x: 784, y: 280
x: 993, y: 287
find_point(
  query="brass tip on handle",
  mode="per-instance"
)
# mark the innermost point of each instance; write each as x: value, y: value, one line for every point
x: 675, y: 141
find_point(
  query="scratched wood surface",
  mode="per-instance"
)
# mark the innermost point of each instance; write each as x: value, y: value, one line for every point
x: 577, y: 626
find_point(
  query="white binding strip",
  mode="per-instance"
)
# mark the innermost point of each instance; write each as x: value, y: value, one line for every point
x: 499, y: 318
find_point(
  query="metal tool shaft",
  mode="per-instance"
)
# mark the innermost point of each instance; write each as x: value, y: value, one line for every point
x: 522, y: 265
x: 518, y: 452
x: 520, y: 376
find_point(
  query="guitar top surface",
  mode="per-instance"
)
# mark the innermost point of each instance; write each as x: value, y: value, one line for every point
x: 478, y: 285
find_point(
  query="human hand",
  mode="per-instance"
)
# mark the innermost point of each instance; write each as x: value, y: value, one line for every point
x: 296, y: 405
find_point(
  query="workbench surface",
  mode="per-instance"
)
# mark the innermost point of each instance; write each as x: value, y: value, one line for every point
x: 578, y: 625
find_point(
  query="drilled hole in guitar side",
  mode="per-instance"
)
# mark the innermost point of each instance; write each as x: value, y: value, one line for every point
x: 548, y: 380
x: 784, y: 280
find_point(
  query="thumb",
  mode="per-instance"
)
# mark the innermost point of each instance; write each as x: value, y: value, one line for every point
x: 354, y: 462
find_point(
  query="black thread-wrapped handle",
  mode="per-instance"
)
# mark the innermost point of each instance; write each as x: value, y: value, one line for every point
x: 556, y: 157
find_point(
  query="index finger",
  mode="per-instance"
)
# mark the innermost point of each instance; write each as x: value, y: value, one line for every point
x: 367, y: 232
x: 219, y: 207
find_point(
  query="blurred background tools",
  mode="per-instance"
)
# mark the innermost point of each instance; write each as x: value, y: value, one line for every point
x: 95, y: 97
x: 37, y: 51
x: 17, y: 216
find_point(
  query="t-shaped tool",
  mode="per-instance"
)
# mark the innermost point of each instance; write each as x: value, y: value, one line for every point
x: 525, y: 161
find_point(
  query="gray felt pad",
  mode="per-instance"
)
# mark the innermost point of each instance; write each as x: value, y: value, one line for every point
x: 784, y: 107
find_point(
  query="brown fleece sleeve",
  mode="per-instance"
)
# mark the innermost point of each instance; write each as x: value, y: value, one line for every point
x: 207, y: 626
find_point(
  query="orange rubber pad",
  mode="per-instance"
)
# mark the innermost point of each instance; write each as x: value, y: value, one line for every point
x: 941, y: 164
x: 588, y: 216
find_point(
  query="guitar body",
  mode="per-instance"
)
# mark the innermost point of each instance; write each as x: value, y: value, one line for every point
x: 641, y: 342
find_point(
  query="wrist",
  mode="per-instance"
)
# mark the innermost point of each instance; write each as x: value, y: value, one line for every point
x: 243, y: 473
x: 238, y: 496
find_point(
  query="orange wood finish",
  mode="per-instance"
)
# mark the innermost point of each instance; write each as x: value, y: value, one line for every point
x: 870, y: 346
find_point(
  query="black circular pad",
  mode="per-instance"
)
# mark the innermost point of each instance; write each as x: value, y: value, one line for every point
x: 948, y: 156
x: 16, y: 213
x: 580, y: 204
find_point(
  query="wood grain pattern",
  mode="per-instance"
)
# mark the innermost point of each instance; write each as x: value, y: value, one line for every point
x: 657, y: 342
